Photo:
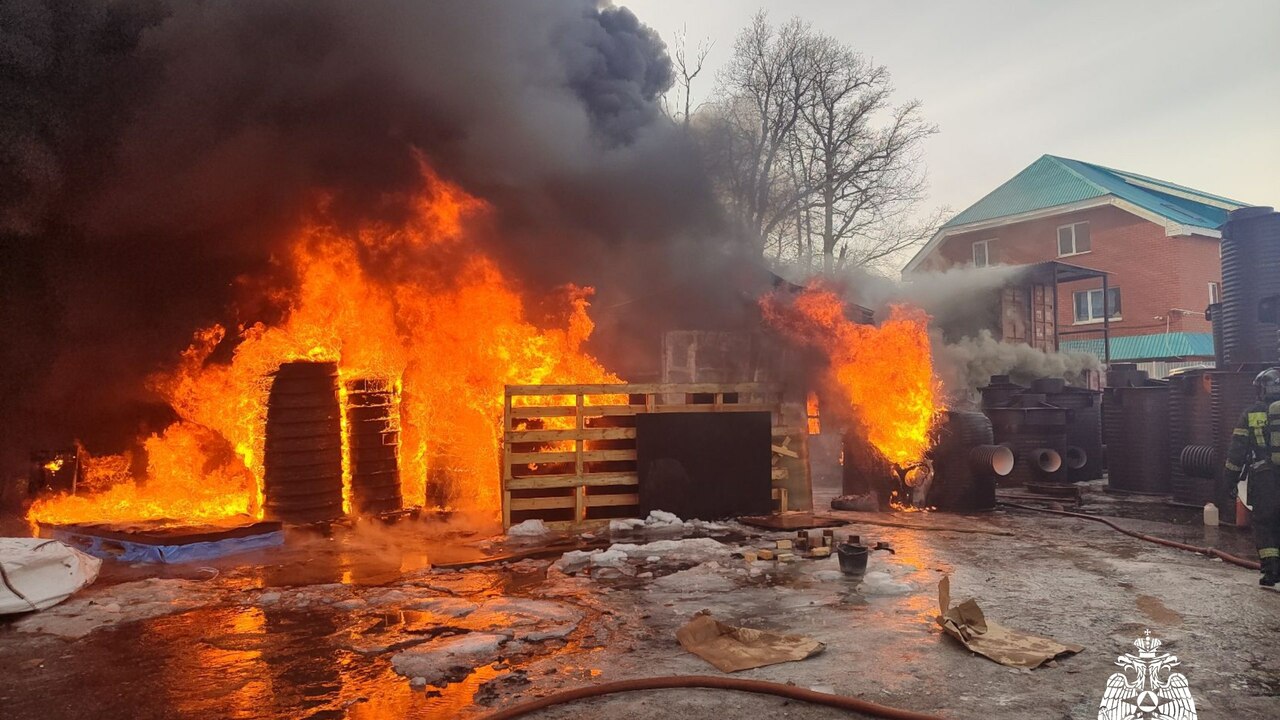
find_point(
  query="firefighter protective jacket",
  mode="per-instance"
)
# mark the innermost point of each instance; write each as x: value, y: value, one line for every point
x: 1256, y: 439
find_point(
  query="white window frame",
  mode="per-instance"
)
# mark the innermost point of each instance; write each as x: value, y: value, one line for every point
x: 1215, y: 292
x: 1091, y: 320
x: 986, y: 252
x: 1057, y: 242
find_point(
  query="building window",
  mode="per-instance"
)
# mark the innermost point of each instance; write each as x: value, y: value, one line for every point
x: 1073, y: 239
x: 1213, y: 293
x: 982, y: 253
x: 1089, y: 305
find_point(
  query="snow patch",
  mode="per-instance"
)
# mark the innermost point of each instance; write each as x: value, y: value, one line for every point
x: 432, y: 661
x: 529, y: 528
x: 662, y: 519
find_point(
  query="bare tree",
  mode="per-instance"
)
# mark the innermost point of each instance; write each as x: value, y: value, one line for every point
x: 755, y: 116
x: 811, y: 154
x: 687, y: 69
x: 869, y: 176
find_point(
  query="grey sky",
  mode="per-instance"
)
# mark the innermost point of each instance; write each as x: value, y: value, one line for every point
x: 1183, y: 90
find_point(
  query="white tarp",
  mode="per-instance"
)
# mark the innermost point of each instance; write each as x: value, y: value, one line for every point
x: 36, y: 573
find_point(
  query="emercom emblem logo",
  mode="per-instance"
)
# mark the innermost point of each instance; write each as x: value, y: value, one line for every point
x: 1148, y: 688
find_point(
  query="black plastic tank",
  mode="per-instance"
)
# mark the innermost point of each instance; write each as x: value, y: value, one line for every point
x: 1190, y: 423
x: 1085, y: 430
x: 1138, y: 438
x: 302, y: 459
x: 1233, y: 393
x: 1037, y: 433
x: 1000, y: 391
x: 373, y: 429
x: 865, y: 471
x: 1125, y: 375
x: 966, y: 463
x: 1250, y: 274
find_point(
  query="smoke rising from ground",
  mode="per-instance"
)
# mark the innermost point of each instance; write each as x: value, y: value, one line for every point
x: 155, y: 155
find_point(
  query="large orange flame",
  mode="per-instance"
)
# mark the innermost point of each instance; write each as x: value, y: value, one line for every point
x: 885, y: 373
x: 439, y: 316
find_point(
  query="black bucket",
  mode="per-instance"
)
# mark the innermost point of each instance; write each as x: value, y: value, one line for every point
x: 853, y: 558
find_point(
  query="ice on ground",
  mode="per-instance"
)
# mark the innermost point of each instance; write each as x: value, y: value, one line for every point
x: 620, y: 525
x: 688, y: 550
x: 574, y: 561
x: 702, y: 579
x: 878, y: 582
x: 446, y: 606
x: 609, y: 558
x: 527, y: 619
x: 390, y: 597
x: 126, y: 602
x: 432, y: 661
x: 685, y: 550
x: 828, y: 575
x: 529, y: 528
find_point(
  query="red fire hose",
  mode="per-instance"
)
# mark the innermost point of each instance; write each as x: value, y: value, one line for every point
x: 1211, y: 552
x: 791, y: 692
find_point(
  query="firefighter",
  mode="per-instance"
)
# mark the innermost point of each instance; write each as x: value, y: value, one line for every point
x: 1255, y: 447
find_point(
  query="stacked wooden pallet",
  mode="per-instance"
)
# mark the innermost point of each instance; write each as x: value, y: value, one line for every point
x: 569, y: 453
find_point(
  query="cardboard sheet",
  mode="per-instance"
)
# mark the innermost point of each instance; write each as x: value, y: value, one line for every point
x: 967, y: 623
x: 731, y: 648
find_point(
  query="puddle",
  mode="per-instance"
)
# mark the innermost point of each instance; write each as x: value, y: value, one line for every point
x: 1155, y: 609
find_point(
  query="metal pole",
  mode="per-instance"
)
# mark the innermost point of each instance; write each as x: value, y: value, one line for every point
x: 1057, y: 345
x: 1106, y: 321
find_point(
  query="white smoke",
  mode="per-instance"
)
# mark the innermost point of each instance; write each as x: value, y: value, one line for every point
x: 968, y: 364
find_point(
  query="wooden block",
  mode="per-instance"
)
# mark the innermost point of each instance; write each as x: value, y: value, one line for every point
x: 749, y: 555
x: 780, y: 450
x: 764, y: 554
x: 786, y: 557
x: 784, y: 544
x: 820, y: 552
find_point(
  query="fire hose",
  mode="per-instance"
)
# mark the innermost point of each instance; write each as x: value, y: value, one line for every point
x: 790, y: 692
x: 1211, y: 552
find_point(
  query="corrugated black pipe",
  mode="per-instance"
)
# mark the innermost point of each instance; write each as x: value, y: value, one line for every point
x: 1211, y: 552
x: 1045, y: 460
x: 790, y: 692
x: 1076, y: 457
x: 988, y: 460
x: 1200, y: 461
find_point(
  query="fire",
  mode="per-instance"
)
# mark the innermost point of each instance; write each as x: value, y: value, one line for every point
x: 885, y: 373
x: 438, y: 315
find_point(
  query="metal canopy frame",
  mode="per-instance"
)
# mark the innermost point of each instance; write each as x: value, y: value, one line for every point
x: 1059, y: 273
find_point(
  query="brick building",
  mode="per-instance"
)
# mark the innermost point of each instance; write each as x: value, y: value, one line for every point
x: 1158, y: 244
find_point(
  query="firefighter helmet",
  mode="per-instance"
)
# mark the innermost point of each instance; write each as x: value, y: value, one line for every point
x: 1268, y: 384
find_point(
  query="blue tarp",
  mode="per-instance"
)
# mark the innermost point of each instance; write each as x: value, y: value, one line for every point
x: 132, y: 552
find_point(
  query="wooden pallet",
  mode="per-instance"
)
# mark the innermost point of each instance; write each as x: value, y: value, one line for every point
x: 569, y: 455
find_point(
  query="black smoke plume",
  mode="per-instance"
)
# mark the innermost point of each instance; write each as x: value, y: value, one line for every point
x: 154, y: 155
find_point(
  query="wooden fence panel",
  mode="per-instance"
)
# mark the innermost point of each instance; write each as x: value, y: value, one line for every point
x: 569, y: 453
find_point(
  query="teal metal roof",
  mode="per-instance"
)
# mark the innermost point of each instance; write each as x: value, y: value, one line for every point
x: 1160, y: 346
x: 1052, y: 181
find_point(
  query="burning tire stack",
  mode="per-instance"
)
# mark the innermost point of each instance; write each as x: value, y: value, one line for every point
x: 303, y: 455
x: 373, y: 424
